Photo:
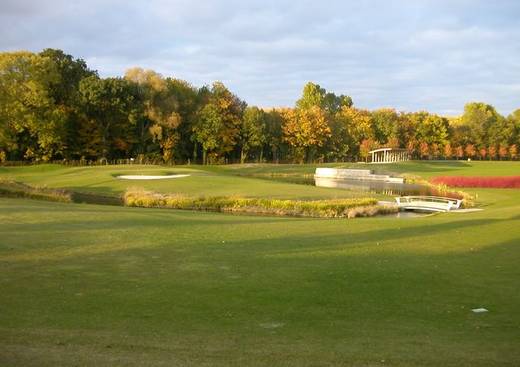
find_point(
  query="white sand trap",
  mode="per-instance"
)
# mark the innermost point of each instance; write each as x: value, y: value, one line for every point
x: 469, y: 210
x: 145, y: 177
x: 479, y: 310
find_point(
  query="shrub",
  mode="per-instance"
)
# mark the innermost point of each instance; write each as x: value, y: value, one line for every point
x: 502, y: 182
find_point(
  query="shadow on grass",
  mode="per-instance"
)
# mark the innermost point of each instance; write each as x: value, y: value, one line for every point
x: 182, y: 223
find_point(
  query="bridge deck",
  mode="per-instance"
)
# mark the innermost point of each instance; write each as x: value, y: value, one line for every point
x: 428, y: 203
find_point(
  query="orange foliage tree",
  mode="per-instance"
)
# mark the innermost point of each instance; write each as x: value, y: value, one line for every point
x: 470, y: 151
x: 513, y: 151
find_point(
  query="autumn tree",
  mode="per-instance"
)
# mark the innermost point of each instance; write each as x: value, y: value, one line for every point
x: 305, y: 130
x: 424, y: 150
x: 411, y: 147
x: 482, y: 152
x: 513, y: 151
x: 502, y: 151
x: 393, y: 142
x: 470, y: 151
x: 492, y: 152
x: 358, y: 124
x: 435, y: 150
x: 448, y: 151
x: 366, y: 146
x: 161, y: 106
x: 459, y: 152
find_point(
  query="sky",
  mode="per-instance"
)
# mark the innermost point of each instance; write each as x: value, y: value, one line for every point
x: 409, y: 55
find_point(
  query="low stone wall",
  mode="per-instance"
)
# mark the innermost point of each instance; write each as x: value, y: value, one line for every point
x: 354, y: 174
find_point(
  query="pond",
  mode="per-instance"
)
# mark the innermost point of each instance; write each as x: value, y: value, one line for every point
x: 376, y: 187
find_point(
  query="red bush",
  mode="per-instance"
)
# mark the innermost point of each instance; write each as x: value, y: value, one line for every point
x: 500, y: 182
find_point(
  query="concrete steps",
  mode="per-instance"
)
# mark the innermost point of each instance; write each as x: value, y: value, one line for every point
x: 355, y: 174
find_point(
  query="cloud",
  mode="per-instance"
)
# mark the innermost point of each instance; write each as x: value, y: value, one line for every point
x: 411, y: 55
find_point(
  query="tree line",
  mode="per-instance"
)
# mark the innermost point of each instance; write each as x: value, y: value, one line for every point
x: 54, y: 107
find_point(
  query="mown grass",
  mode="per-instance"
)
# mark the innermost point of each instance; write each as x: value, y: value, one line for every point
x: 425, y: 169
x: 207, y: 181
x: 338, y: 208
x: 104, y: 285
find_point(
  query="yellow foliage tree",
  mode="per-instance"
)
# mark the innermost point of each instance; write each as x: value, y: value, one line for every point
x: 305, y: 130
x: 160, y: 108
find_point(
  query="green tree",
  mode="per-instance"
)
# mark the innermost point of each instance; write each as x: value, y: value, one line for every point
x: 222, y: 111
x: 188, y: 102
x: 514, y: 121
x: 481, y: 119
x: 207, y: 129
x: 31, y: 125
x: 385, y: 124
x: 315, y: 96
x: 111, y: 107
x: 337, y: 147
x: 64, y: 91
x: 252, y: 131
x: 431, y: 129
x: 275, y: 144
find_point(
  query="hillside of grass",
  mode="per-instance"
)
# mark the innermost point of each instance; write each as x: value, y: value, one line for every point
x: 425, y: 169
x: 203, y: 181
x: 95, y: 285
x: 99, y: 285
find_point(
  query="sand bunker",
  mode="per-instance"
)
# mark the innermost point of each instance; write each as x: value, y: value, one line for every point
x: 145, y: 177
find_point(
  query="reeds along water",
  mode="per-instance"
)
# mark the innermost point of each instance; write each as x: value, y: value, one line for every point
x: 337, y: 208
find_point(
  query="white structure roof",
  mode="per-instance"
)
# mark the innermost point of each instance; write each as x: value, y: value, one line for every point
x: 386, y: 150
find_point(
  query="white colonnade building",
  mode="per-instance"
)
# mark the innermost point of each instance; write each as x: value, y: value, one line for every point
x: 388, y: 155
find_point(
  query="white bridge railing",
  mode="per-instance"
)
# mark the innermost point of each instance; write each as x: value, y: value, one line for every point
x: 428, y: 203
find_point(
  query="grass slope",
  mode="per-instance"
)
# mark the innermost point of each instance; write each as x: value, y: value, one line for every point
x: 104, y: 286
x: 209, y: 181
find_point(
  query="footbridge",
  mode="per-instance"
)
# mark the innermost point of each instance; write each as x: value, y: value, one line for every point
x: 428, y: 203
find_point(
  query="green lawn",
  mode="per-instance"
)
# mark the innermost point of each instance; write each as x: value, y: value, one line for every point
x: 208, y: 181
x: 114, y: 286
x: 423, y: 168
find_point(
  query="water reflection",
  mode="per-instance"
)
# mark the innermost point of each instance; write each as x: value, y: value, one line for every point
x: 377, y: 187
x: 385, y: 188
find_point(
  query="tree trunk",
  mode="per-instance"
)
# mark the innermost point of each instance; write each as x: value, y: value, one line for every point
x: 204, y: 154
x: 195, y: 152
x: 243, y: 155
x: 104, y: 140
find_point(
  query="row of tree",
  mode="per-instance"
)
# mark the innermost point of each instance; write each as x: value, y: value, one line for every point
x: 53, y: 107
